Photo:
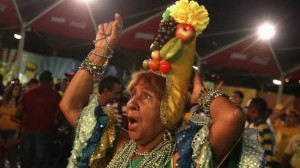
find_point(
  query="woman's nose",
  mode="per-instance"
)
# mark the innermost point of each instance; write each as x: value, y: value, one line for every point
x: 132, y: 104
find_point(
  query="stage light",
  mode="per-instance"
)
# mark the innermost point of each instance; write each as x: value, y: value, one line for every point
x: 266, y: 31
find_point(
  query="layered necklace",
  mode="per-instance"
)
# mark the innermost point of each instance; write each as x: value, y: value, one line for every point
x: 158, y: 157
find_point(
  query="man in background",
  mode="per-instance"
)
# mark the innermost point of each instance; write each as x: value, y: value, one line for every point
x: 39, y: 110
x: 109, y: 89
x: 256, y: 112
x: 237, y: 97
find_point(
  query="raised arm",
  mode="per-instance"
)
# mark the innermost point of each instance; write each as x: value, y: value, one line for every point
x: 77, y: 94
x: 227, y: 120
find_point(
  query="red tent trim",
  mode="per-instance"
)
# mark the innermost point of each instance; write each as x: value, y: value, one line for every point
x: 250, y: 54
x: 9, y: 8
x: 60, y: 19
x: 141, y: 35
x: 294, y: 73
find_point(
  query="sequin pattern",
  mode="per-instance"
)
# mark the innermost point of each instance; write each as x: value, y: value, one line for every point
x: 252, y: 151
x: 85, y: 129
x: 107, y: 140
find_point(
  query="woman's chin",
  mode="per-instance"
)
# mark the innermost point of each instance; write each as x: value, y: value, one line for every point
x: 132, y: 135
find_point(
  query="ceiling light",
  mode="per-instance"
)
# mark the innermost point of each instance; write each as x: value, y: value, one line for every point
x: 276, y: 82
x: 17, y: 36
x: 286, y: 80
x: 266, y: 31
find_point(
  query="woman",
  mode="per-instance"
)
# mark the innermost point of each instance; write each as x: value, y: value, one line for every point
x: 9, y: 125
x: 284, y: 130
x: 155, y: 136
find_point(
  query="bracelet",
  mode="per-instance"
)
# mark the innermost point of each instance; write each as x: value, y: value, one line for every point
x: 205, y: 98
x: 109, y: 48
x: 94, y: 69
x: 104, y: 36
x: 100, y: 55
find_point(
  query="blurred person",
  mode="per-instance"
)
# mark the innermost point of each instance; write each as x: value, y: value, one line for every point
x: 256, y: 112
x: 63, y: 134
x: 238, y: 97
x: 33, y: 82
x: 2, y: 87
x: 278, y: 113
x: 269, y: 112
x: 291, y: 156
x: 285, y: 124
x: 63, y: 84
x: 9, y: 126
x: 39, y: 110
x: 69, y: 75
x: 119, y: 106
x: 109, y: 89
x: 16, y: 80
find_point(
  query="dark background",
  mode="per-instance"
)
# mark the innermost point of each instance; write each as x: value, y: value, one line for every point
x: 230, y: 20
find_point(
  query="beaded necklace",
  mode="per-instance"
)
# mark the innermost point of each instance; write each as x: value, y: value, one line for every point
x: 158, y: 157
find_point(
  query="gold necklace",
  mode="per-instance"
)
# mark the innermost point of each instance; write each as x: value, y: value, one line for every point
x: 158, y: 157
x: 136, y: 151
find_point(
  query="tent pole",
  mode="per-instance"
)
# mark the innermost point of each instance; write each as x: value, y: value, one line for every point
x: 199, y: 65
x: 20, y: 50
x: 280, y: 90
x: 262, y: 87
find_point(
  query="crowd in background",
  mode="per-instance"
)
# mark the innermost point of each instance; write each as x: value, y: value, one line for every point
x: 34, y: 132
x: 279, y: 130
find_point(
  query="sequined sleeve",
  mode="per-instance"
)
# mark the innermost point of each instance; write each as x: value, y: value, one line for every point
x: 84, y: 130
x: 196, y: 151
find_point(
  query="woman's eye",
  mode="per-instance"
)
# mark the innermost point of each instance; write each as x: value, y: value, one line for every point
x: 147, y: 96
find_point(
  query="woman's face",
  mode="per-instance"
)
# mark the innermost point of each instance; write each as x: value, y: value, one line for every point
x: 291, y: 119
x: 143, y: 110
x: 16, y: 91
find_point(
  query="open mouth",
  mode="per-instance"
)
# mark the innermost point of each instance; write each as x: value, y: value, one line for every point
x: 131, y: 121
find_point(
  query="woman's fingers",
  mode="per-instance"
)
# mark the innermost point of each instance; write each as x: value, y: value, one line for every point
x: 110, y: 31
x: 197, y: 87
x: 117, y: 26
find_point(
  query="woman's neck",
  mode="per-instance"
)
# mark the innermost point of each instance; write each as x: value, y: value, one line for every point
x: 149, y: 146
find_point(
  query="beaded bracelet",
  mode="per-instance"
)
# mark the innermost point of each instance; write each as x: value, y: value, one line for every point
x: 100, y: 55
x: 107, y: 45
x: 98, y: 39
x: 94, y: 69
x: 104, y: 36
x: 205, y: 98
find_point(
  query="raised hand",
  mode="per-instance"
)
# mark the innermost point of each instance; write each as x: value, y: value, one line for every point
x: 197, y: 87
x: 110, y: 31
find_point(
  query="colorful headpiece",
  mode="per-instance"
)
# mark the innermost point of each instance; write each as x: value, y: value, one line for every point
x: 172, y: 55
